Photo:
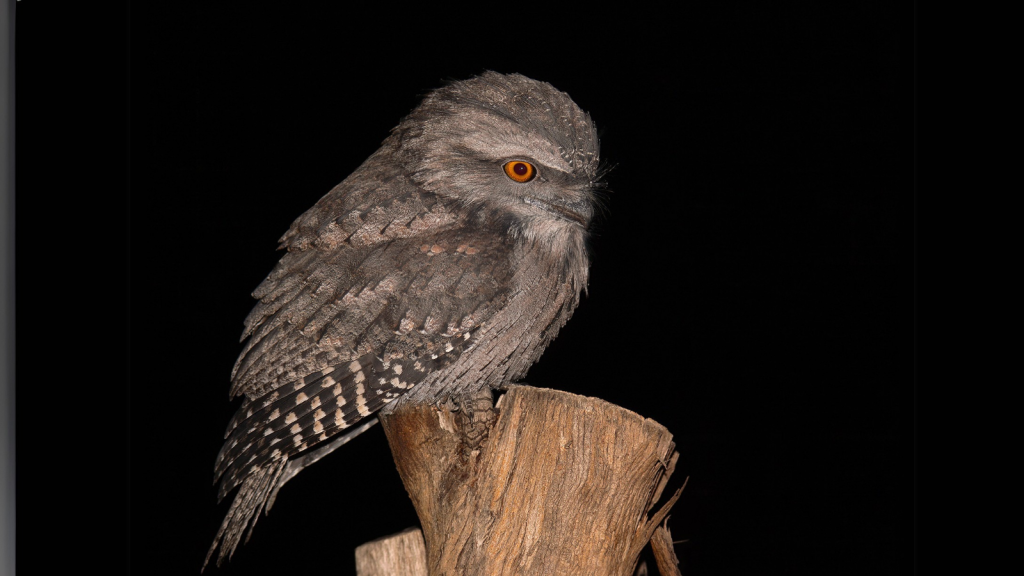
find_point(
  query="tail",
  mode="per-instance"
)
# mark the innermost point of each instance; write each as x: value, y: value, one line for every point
x: 249, y: 501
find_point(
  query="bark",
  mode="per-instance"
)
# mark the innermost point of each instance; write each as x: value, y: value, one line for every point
x: 546, y: 482
x: 401, y: 554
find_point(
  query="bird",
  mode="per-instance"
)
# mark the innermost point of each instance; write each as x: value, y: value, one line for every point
x: 443, y: 265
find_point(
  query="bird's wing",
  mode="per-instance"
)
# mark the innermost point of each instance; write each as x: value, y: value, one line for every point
x: 413, y: 314
x: 362, y: 308
x: 344, y: 265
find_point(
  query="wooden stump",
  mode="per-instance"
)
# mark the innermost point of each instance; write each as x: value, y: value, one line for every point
x: 546, y: 482
x: 401, y: 554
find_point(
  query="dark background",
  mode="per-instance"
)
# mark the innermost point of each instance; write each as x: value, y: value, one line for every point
x: 751, y: 287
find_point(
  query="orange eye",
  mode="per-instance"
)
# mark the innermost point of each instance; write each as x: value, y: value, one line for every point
x: 520, y: 171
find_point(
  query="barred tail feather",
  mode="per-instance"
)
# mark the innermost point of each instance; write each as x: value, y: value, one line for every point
x: 249, y: 501
x: 305, y: 431
x: 268, y: 431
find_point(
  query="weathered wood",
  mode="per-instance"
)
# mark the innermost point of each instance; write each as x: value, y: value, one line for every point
x: 664, y: 552
x: 401, y: 554
x: 547, y: 482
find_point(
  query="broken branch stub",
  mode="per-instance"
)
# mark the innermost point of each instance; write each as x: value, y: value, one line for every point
x: 547, y: 482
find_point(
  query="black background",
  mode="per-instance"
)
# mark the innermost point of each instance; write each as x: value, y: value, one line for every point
x: 751, y: 286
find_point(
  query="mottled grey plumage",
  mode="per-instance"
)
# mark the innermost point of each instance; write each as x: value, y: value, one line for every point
x: 429, y: 272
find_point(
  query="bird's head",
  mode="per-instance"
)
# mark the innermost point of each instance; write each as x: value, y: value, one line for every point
x: 517, y: 152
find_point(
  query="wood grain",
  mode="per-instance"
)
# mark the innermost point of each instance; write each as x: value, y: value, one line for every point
x: 401, y: 554
x: 546, y: 482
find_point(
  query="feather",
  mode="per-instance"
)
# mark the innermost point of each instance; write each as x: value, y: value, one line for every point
x: 248, y: 503
x: 426, y: 273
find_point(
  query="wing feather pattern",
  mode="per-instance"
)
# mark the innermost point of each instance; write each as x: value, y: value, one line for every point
x: 370, y: 300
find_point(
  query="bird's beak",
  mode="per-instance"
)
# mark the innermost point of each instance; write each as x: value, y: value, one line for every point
x: 578, y: 211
